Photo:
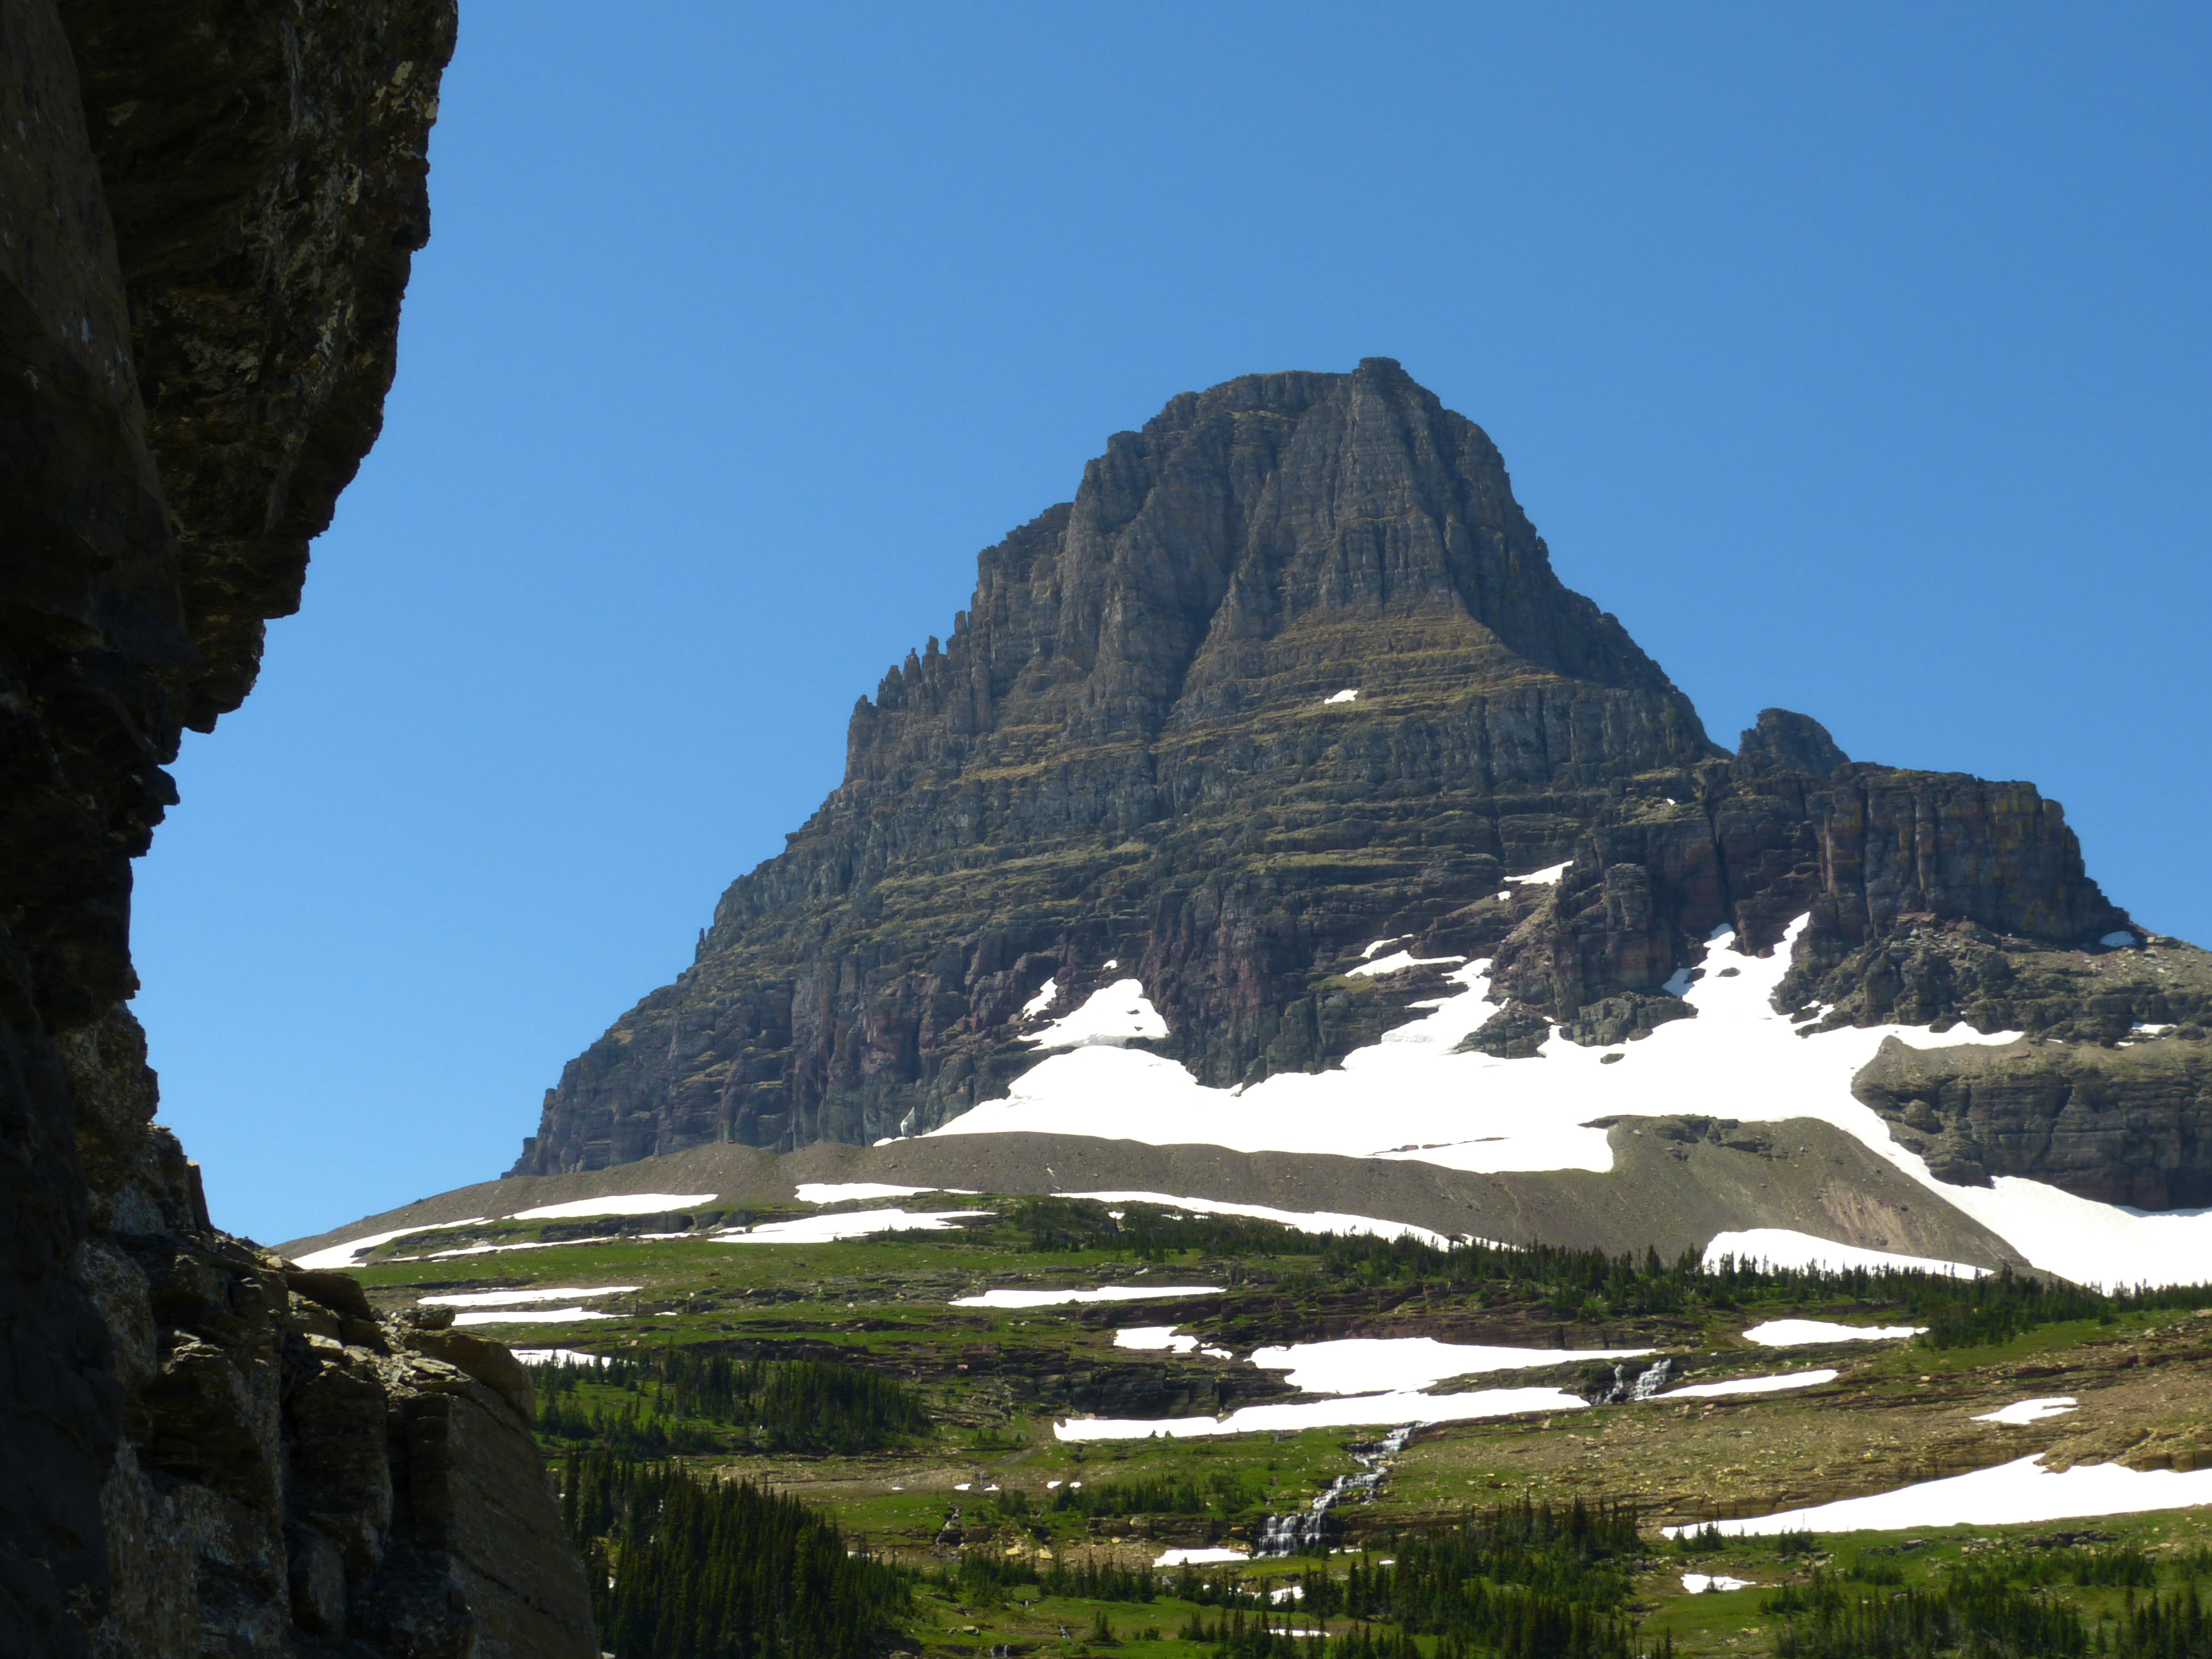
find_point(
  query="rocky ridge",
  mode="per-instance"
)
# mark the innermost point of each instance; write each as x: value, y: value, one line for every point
x: 207, y: 215
x: 1291, y: 674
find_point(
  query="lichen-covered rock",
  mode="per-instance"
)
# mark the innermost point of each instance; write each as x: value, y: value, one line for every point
x: 1292, y: 673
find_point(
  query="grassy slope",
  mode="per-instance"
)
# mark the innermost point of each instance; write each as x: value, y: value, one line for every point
x: 996, y: 1379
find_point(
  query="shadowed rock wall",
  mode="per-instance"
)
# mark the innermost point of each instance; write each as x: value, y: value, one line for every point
x: 206, y: 217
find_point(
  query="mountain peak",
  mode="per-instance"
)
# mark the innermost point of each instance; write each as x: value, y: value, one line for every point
x: 1272, y: 539
x: 1291, y: 675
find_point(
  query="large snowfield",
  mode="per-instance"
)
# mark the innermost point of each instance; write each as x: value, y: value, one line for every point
x: 1410, y: 1095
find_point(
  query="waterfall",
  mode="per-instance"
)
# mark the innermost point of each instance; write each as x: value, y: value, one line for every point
x: 1309, y: 1529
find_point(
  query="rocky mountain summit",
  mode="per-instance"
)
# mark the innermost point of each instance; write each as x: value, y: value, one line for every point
x: 1292, y: 674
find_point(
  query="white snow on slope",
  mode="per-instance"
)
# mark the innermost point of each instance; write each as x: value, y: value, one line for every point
x: 1154, y: 1339
x: 513, y: 1298
x: 1409, y: 1096
x: 535, y: 1244
x: 1348, y: 694
x: 618, y: 1204
x: 1703, y: 1583
x: 1360, y: 1364
x: 1782, y: 1246
x: 1397, y: 962
x: 1749, y: 1385
x: 1305, y: 1221
x: 2030, y: 1410
x: 348, y: 1253
x: 557, y: 1357
x: 2020, y: 1491
x: 1042, y: 1000
x: 1548, y: 877
x: 1105, y: 1293
x: 1108, y: 1018
x: 1802, y: 1332
x: 531, y: 1316
x: 1358, y: 1410
x: 1200, y: 1558
x: 846, y: 1224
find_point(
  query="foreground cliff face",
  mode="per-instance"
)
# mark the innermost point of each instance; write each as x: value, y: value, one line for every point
x: 1292, y: 674
x: 206, y: 215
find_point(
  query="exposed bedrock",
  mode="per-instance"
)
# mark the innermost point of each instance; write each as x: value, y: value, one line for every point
x: 2129, y: 1125
x: 207, y: 214
x: 295, y: 1475
x: 1136, y: 757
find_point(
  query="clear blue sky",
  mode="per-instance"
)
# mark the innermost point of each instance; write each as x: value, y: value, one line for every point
x: 1854, y: 356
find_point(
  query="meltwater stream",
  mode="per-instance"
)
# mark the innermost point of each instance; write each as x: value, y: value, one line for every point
x: 1308, y: 1529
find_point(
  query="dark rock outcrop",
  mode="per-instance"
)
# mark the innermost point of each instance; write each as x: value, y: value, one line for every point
x: 2123, y: 1124
x: 206, y: 217
x: 296, y: 1476
x: 1135, y: 756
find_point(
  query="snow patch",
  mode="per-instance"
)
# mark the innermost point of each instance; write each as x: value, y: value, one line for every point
x: 1348, y: 694
x: 1359, y: 1364
x: 2020, y: 1491
x: 849, y: 1224
x: 535, y: 1244
x: 531, y: 1316
x: 2030, y: 1410
x: 619, y: 1204
x: 1154, y: 1339
x: 1704, y: 1583
x: 1801, y: 1333
x: 507, y: 1298
x: 1782, y: 1246
x: 557, y: 1357
x: 1363, y: 1411
x: 2117, y: 940
x: 1119, y: 1013
x: 1397, y: 962
x: 1304, y: 1221
x: 1199, y: 1558
x: 1749, y: 1385
x: 1042, y: 1000
x: 1105, y: 1293
x: 1548, y: 877
x: 349, y: 1254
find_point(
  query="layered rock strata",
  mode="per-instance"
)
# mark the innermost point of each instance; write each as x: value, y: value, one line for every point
x: 296, y: 1475
x: 1292, y: 673
x: 206, y: 217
